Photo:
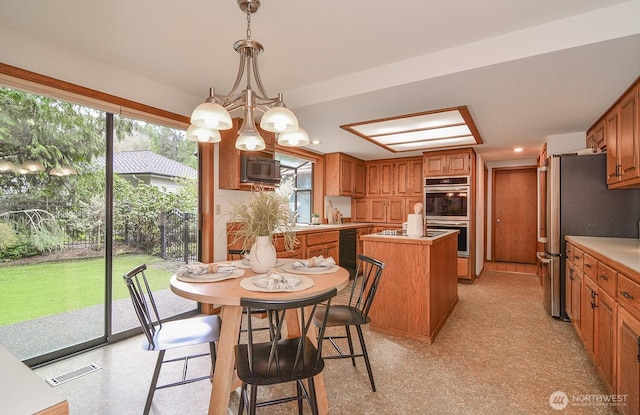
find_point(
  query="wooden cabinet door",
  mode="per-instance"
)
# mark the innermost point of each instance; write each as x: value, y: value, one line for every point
x: 360, y: 210
x: 589, y: 290
x: 359, y: 179
x: 396, y: 211
x: 373, y: 179
x: 416, y: 179
x: 569, y: 278
x: 378, y: 210
x: 598, y: 136
x: 401, y: 182
x: 628, y: 137
x: 360, y: 244
x: 386, y: 179
x: 628, y: 362
x: 576, y: 300
x: 605, y: 339
x: 435, y: 165
x: 346, y: 176
x: 611, y: 132
x: 458, y: 164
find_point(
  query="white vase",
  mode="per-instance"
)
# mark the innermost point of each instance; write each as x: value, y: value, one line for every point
x: 262, y: 256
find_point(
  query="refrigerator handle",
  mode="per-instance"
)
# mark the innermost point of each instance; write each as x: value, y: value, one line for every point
x: 538, y: 204
x: 543, y: 258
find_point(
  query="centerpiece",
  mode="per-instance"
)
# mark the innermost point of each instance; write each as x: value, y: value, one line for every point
x: 257, y: 222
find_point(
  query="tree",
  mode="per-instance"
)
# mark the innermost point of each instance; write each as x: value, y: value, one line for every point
x: 54, y: 132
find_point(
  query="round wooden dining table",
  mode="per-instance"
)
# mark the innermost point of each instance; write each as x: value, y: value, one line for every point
x: 226, y: 294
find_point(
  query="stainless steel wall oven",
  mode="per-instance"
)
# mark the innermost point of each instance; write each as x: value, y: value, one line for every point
x: 463, y: 236
x: 446, y: 198
x: 446, y: 206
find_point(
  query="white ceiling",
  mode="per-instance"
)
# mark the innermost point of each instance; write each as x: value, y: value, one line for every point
x: 526, y: 70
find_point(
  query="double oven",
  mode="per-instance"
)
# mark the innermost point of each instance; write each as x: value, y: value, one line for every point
x: 446, y: 206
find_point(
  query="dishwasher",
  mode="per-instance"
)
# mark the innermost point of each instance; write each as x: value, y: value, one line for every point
x: 348, y: 250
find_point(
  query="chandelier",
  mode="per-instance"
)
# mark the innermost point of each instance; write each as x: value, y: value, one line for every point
x: 213, y: 115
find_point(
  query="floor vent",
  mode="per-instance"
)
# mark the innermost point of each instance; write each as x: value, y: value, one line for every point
x: 74, y: 374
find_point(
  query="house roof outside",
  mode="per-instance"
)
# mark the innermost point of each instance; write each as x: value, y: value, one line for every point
x: 148, y: 162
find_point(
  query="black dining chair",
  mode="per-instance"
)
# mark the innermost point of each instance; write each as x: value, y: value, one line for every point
x: 235, y: 255
x: 280, y: 359
x: 159, y: 336
x: 355, y: 312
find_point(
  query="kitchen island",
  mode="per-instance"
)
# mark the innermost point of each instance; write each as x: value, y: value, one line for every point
x: 419, y: 285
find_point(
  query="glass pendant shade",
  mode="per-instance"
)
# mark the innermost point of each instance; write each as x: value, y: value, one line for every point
x: 6, y: 166
x: 68, y: 170
x: 253, y: 142
x: 279, y: 120
x: 211, y: 115
x: 203, y: 135
x: 249, y: 138
x: 32, y: 166
x: 294, y: 139
x: 62, y: 171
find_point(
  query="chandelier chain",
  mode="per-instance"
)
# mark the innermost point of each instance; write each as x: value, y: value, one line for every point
x: 248, y: 23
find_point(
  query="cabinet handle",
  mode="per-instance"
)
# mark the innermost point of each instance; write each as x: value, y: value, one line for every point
x: 626, y: 295
x: 571, y: 275
x: 604, y: 277
x: 576, y: 257
x: 593, y: 305
x: 587, y: 265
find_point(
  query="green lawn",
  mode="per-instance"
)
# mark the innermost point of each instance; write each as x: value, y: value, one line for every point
x: 31, y: 291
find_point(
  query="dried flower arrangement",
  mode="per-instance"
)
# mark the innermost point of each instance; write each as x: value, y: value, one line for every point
x: 266, y: 213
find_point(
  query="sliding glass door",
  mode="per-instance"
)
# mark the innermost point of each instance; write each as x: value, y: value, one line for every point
x: 52, y: 215
x: 86, y: 196
x: 154, y: 214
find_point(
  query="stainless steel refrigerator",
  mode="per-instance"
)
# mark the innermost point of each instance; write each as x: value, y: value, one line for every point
x: 578, y: 202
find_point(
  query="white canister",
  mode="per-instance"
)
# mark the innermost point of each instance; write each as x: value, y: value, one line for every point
x: 414, y: 225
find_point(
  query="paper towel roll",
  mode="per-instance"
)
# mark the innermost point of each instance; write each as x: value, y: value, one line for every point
x: 414, y: 225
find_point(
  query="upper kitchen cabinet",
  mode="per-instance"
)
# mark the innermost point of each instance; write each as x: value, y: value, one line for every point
x: 379, y: 178
x: 229, y: 156
x: 448, y: 163
x: 596, y: 137
x: 399, y: 177
x: 344, y: 175
x: 622, y: 138
x: 408, y: 177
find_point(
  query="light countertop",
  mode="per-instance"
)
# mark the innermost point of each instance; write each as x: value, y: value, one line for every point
x: 399, y: 238
x: 625, y: 251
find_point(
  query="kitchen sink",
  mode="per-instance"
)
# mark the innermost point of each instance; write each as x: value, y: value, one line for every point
x: 431, y: 233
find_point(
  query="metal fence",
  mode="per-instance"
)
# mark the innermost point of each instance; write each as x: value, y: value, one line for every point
x: 176, y: 237
x: 179, y: 236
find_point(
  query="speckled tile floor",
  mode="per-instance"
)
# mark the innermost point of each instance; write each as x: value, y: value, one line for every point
x: 499, y: 353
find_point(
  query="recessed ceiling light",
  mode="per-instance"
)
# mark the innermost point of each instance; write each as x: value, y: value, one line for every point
x: 518, y: 149
x: 424, y: 131
x: 316, y: 142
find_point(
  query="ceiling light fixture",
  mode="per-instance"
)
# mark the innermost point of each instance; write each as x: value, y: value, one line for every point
x: 423, y: 131
x: 213, y: 115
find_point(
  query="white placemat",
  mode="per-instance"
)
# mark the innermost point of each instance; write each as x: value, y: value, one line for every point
x: 218, y: 276
x: 289, y: 267
x: 247, y: 284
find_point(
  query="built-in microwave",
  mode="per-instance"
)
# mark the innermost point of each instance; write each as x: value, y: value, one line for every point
x: 255, y: 169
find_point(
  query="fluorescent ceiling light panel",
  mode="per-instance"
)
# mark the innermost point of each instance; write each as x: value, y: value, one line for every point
x: 439, y: 129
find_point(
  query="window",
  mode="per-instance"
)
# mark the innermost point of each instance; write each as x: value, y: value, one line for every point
x: 300, y: 173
